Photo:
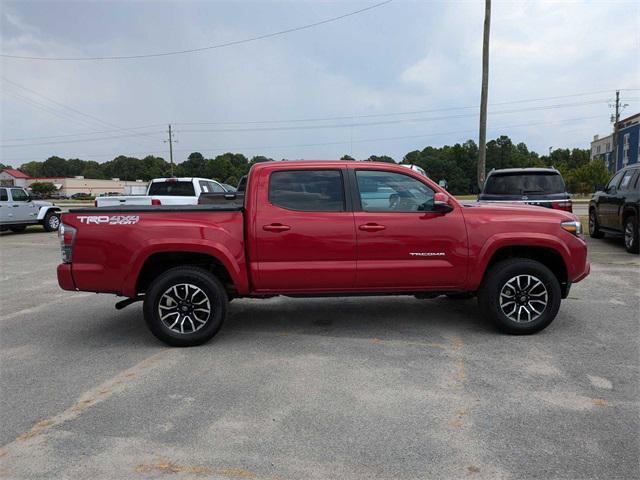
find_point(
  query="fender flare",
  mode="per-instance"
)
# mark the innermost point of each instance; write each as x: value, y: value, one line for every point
x: 46, y: 209
x: 215, y: 250
x: 514, y: 239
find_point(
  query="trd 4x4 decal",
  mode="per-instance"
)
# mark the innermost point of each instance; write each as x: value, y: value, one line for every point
x: 109, y: 219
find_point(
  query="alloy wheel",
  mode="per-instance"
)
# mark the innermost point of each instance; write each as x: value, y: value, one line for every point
x: 629, y: 234
x: 184, y: 308
x: 523, y: 298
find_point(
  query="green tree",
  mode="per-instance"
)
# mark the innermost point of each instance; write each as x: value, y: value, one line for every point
x: 347, y: 157
x: 33, y: 169
x: 54, y: 167
x: 233, y: 181
x: 44, y: 188
x: 194, y: 166
x: 383, y: 158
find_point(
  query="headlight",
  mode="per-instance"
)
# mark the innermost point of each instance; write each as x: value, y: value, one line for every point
x: 572, y: 226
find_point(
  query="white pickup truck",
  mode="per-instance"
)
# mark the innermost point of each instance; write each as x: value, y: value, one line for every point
x: 166, y: 191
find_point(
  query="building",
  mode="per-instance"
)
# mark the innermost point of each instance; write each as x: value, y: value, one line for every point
x: 627, y: 133
x: 70, y: 185
x: 602, y: 149
x: 10, y: 177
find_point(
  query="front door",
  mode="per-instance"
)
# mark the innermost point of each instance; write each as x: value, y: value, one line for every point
x: 401, y: 243
x: 305, y: 235
x: 23, y: 210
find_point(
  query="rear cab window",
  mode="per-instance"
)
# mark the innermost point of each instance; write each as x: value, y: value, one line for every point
x: 539, y: 183
x: 179, y: 189
x: 307, y: 190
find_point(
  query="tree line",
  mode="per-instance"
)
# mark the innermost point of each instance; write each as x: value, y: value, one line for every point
x: 456, y: 164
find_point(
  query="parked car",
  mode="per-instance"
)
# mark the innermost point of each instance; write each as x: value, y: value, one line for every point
x: 81, y: 196
x: 166, y: 191
x: 614, y: 208
x: 58, y: 196
x: 308, y: 229
x: 18, y: 210
x: 532, y: 186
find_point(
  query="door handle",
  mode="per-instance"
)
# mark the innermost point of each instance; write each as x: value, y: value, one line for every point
x: 276, y: 227
x: 371, y: 227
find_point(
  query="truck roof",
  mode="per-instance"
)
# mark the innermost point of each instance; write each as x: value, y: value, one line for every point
x: 525, y: 170
x: 323, y: 163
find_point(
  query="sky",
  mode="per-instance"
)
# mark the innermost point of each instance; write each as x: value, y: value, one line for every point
x: 386, y: 81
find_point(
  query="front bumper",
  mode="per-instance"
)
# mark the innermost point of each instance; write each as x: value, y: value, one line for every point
x: 65, y: 279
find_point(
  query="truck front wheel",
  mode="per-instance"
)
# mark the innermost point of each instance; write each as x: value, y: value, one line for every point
x: 51, y: 221
x: 520, y: 296
x: 185, y: 306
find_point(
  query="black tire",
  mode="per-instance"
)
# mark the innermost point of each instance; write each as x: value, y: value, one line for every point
x: 631, y: 240
x: 51, y: 222
x: 594, y: 226
x: 18, y: 228
x: 197, y: 278
x: 497, y: 278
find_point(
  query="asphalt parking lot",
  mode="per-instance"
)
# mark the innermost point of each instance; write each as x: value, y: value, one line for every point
x: 376, y: 387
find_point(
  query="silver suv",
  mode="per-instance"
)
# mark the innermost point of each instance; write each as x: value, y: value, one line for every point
x: 18, y: 210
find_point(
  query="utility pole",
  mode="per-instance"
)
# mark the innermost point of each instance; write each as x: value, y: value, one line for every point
x: 615, y: 119
x: 482, y: 151
x: 170, y: 140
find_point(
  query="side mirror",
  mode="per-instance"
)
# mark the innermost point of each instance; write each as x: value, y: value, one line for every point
x: 29, y: 198
x: 600, y: 187
x: 441, y: 203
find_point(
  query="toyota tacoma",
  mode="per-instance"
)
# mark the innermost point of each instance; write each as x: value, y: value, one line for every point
x: 324, y: 228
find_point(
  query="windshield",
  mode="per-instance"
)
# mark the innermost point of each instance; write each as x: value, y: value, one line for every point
x: 524, y: 183
x: 181, y: 189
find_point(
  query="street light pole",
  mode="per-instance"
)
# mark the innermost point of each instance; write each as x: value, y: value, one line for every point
x: 482, y: 147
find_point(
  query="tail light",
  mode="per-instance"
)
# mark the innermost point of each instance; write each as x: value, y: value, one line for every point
x: 565, y: 205
x: 67, y: 237
x: 156, y: 201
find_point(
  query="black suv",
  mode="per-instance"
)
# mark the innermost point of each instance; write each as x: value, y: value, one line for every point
x: 614, y: 208
x: 535, y: 186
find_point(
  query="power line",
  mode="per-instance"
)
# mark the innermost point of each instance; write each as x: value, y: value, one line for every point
x: 210, y: 47
x: 102, y: 132
x: 389, y: 114
x: 385, y: 122
x: 67, y: 107
x: 345, y: 142
x: 315, y: 127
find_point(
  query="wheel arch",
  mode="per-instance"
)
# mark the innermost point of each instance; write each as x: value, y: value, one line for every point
x: 548, y: 255
x: 159, y: 262
x: 45, y: 210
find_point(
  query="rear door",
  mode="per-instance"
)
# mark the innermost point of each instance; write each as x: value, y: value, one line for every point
x: 618, y: 202
x: 305, y: 235
x: 607, y: 204
x: 402, y: 244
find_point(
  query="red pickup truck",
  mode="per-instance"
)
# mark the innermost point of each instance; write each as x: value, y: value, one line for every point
x: 311, y: 228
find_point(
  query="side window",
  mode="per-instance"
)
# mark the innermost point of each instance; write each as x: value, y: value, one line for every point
x: 626, y: 179
x: 4, y: 197
x: 382, y: 191
x: 307, y: 190
x: 18, y: 195
x: 615, y: 180
x: 205, y: 187
x: 637, y: 183
x: 216, y: 188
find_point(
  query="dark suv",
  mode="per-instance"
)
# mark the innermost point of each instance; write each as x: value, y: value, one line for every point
x: 613, y: 209
x: 534, y: 186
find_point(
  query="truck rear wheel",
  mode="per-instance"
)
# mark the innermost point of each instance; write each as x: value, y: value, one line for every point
x: 185, y: 306
x: 520, y: 296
